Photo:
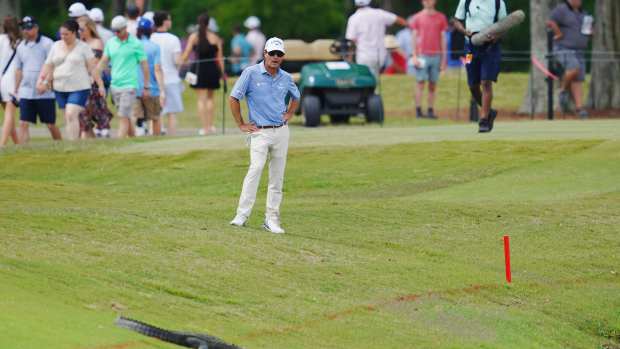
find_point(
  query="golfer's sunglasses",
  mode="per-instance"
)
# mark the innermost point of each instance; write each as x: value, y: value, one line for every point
x: 276, y: 53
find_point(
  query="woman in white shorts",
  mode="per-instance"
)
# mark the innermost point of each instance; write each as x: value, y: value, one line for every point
x: 8, y: 46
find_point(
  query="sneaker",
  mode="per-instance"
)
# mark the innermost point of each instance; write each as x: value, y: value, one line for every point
x: 418, y: 113
x: 140, y: 131
x: 105, y: 133
x: 583, y: 114
x: 431, y: 114
x: 492, y: 116
x: 273, y: 226
x: 239, y: 221
x: 564, y: 101
x: 97, y: 133
x: 201, y: 132
x: 483, y: 126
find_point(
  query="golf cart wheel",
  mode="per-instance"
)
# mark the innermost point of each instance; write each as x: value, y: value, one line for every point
x: 339, y: 119
x: 374, y: 109
x: 312, y: 110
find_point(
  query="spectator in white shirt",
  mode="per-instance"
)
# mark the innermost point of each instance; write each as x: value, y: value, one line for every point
x: 255, y: 37
x: 366, y: 27
x: 170, y: 46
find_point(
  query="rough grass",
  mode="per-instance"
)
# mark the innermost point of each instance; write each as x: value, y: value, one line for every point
x: 391, y: 243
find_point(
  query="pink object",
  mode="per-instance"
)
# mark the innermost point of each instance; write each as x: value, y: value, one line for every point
x: 507, y: 258
x: 429, y: 31
x: 542, y: 68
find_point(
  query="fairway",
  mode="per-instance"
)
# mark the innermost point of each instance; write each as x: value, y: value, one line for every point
x: 394, y: 240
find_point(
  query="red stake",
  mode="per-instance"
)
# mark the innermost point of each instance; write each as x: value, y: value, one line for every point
x: 507, y: 258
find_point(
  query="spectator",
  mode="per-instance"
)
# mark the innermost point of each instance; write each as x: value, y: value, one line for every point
x: 396, y: 62
x: 68, y: 67
x: 96, y: 111
x: 133, y: 12
x: 209, y: 69
x: 149, y: 107
x: 570, y: 43
x: 124, y: 53
x: 170, y: 47
x: 213, y: 27
x: 428, y: 40
x: 77, y: 11
x: 8, y: 49
x: 29, y: 60
x: 255, y: 37
x: 482, y: 62
x: 97, y: 16
x: 240, y: 50
x: 150, y: 15
x: 367, y: 28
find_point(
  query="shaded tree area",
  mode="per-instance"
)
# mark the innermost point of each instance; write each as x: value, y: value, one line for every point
x: 605, y: 86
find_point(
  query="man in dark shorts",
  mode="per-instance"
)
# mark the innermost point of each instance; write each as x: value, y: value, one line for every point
x: 482, y: 62
x: 30, y: 57
x: 572, y: 28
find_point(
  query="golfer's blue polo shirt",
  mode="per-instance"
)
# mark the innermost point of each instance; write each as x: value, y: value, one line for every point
x: 266, y: 94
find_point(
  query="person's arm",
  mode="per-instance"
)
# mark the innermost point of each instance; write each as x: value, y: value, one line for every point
x: 18, y: 81
x: 235, y: 108
x: 92, y: 70
x: 556, y: 29
x: 458, y: 25
x: 43, y: 82
x: 188, y: 50
x: 159, y: 77
x: 294, y: 102
x: 147, y: 78
x: 414, y: 47
x: 401, y: 21
x: 444, y: 51
x: 220, y: 58
x: 103, y: 64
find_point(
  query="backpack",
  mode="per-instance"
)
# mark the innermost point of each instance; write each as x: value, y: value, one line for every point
x: 497, y: 7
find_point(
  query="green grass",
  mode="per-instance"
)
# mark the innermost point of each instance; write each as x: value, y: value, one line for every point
x: 393, y: 240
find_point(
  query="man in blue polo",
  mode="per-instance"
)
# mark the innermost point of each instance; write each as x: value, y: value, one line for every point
x: 482, y: 62
x: 266, y: 87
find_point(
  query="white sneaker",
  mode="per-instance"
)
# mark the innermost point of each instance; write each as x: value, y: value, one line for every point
x: 239, y: 221
x: 140, y: 131
x: 105, y: 133
x: 273, y: 226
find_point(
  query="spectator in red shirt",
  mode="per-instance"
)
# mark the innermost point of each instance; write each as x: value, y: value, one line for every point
x: 429, y: 52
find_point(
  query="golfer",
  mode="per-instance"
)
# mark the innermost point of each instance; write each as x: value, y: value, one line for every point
x: 482, y: 62
x: 266, y: 87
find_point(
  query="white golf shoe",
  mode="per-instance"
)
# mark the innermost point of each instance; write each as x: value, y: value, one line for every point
x: 273, y: 226
x: 239, y: 221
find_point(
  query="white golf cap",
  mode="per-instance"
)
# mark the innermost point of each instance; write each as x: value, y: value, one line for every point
x: 213, y: 25
x: 77, y: 10
x: 150, y: 15
x: 118, y: 23
x: 252, y: 22
x: 274, y: 44
x: 96, y: 15
x: 361, y: 3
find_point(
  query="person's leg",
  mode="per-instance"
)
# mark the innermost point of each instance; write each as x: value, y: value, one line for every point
x: 277, y: 165
x: 487, y: 98
x: 476, y: 93
x: 172, y: 124
x: 259, y: 148
x: 156, y: 127
x: 8, y: 126
x: 419, y: 92
x: 568, y: 78
x: 201, y: 101
x: 124, y: 124
x: 24, y: 132
x: 72, y: 128
x: 46, y: 108
x: 432, y: 87
x: 54, y: 132
x: 210, y: 110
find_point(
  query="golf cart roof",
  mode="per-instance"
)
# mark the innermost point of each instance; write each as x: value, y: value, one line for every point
x: 318, y: 50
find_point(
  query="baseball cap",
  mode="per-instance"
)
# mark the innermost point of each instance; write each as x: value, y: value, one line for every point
x: 77, y: 10
x: 361, y: 3
x: 150, y: 15
x: 275, y: 44
x: 28, y: 23
x: 252, y: 22
x: 96, y: 15
x: 213, y: 25
x: 145, y: 24
x: 118, y: 23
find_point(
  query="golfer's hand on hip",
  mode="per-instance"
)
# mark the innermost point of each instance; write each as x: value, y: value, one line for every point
x: 287, y: 116
x: 248, y: 128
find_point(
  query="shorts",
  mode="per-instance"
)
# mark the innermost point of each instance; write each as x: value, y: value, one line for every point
x: 485, y: 63
x: 44, y: 108
x: 75, y: 97
x: 7, y: 86
x: 174, y: 98
x: 124, y: 100
x: 571, y: 60
x: 429, y: 70
x: 147, y: 108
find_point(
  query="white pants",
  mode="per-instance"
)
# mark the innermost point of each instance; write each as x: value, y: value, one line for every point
x: 272, y: 143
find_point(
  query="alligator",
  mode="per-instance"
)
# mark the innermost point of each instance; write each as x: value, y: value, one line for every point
x: 184, y: 339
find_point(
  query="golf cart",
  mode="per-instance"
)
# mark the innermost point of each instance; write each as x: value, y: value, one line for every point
x: 338, y: 88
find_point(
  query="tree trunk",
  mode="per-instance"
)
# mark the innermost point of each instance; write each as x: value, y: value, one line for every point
x: 536, y: 94
x: 605, y: 88
x: 9, y: 8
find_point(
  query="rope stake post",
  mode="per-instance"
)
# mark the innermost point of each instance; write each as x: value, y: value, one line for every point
x: 507, y: 258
